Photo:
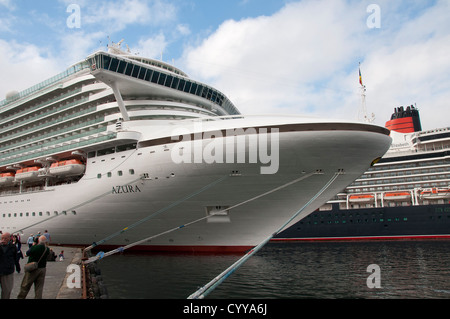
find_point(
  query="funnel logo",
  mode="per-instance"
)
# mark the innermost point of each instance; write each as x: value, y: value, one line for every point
x: 250, y: 145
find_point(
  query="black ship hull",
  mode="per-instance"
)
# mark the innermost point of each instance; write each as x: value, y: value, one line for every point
x: 383, y: 223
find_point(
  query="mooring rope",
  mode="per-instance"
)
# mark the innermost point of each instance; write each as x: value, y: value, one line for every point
x: 101, y: 255
x: 209, y: 287
x: 156, y: 213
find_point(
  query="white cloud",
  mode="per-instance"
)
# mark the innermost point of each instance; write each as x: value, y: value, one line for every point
x: 151, y: 47
x: 7, y: 4
x: 23, y: 65
x: 270, y: 63
x: 77, y: 45
x: 304, y: 59
x: 116, y: 16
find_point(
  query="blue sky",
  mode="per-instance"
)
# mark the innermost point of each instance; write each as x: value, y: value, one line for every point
x: 267, y: 56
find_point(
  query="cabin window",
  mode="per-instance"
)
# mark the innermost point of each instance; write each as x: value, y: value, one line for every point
x: 120, y: 173
x: 131, y: 171
x: 106, y: 151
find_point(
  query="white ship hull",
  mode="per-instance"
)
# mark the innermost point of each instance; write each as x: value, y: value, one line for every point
x: 147, y: 187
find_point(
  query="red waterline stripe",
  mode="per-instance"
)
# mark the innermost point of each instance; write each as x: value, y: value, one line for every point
x: 362, y: 238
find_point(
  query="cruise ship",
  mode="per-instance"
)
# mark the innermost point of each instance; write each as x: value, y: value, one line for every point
x: 405, y: 195
x: 121, y: 149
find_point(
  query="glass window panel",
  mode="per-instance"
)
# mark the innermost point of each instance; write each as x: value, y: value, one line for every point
x: 129, y: 69
x: 169, y: 81
x: 181, y: 85
x: 122, y: 66
x: 106, y: 61
x: 204, y: 91
x: 136, y: 70
x: 199, y: 90
x: 162, y: 78
x: 187, y: 87
x: 155, y: 77
x: 142, y: 73
x: 214, y: 96
x: 113, y: 65
x: 193, y: 88
x: 175, y: 83
x: 148, y: 75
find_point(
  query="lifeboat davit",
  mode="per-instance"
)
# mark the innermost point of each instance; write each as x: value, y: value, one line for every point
x: 435, y: 193
x: 397, y: 196
x: 362, y: 198
x: 27, y: 174
x: 6, y: 179
x: 67, y: 168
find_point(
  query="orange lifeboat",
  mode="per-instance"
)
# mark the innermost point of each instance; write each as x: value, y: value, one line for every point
x: 361, y: 198
x: 435, y: 193
x: 397, y: 196
x: 27, y: 174
x: 67, y: 168
x: 6, y: 178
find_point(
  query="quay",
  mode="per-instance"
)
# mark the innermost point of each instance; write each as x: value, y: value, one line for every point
x: 55, y: 286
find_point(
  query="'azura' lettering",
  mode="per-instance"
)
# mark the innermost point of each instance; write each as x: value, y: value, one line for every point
x: 125, y: 189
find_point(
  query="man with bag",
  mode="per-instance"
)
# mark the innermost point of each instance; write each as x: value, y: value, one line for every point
x: 8, y: 261
x: 37, y: 257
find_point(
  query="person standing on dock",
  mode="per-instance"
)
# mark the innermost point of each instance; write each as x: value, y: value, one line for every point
x: 30, y: 241
x: 47, y: 235
x: 8, y: 260
x: 37, y: 253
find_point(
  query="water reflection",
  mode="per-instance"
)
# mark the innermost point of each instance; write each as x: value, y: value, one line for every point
x: 416, y: 269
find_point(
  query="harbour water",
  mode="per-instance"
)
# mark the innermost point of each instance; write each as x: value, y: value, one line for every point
x: 319, y: 270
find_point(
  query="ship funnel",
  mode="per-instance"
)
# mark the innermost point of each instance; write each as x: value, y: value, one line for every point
x: 405, y: 120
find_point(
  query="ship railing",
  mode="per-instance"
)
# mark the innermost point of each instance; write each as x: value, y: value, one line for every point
x: 70, y: 71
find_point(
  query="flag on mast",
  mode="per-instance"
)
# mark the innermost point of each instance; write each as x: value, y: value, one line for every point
x: 360, y: 77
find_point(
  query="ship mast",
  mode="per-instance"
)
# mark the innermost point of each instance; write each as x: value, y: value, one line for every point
x: 362, y: 113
